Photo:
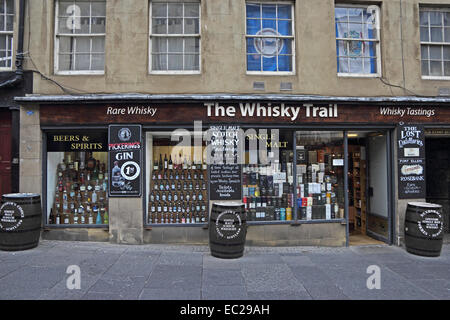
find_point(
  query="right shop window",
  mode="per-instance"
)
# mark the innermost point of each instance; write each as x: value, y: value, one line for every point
x: 320, y: 175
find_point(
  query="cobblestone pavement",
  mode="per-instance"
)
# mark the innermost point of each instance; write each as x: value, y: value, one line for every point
x: 172, y: 272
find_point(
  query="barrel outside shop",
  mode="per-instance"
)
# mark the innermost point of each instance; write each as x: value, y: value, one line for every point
x: 20, y: 221
x: 424, y: 229
x: 227, y: 230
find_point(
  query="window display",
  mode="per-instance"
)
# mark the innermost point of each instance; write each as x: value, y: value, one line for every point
x: 77, y: 188
x: 178, y: 185
x: 320, y: 175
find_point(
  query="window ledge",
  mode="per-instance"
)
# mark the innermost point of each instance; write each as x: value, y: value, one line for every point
x: 443, y: 78
x: 79, y: 73
x: 358, y: 75
x: 270, y: 73
x: 171, y: 73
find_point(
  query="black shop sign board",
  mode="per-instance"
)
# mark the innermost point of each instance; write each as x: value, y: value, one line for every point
x: 125, y: 160
x: 225, y: 178
x: 411, y: 161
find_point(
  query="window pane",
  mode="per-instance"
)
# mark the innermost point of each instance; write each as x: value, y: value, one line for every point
x: 269, y: 24
x: 268, y: 46
x: 424, y: 34
x: 342, y: 30
x: 253, y: 26
x: 159, y: 62
x: 175, y: 26
x: 355, y: 30
x: 84, y: 26
x: 83, y: 45
x: 98, y: 44
x: 159, y: 26
x: 447, y: 68
x: 65, y: 62
x: 269, y: 63
x: 175, y: 10
x: 353, y: 48
x: 191, y: 62
x: 284, y: 12
x: 424, y: 52
x: 82, y: 61
x: 436, y: 34
x: 447, y: 19
x: 425, y: 71
x: 3, y: 42
x: 84, y: 8
x: 159, y: 9
x: 9, y: 23
x: 286, y: 46
x: 10, y: 6
x: 251, y: 48
x: 356, y: 65
x: 369, y: 31
x: 254, y: 62
x: 192, y: 45
x: 355, y: 15
x: 447, y: 34
x: 65, y: 44
x: 98, y: 62
x: 341, y: 47
x: 435, y: 18
x: 191, y: 10
x: 436, y: 52
x: 98, y: 25
x: 175, y: 62
x: 253, y: 10
x: 191, y: 26
x: 175, y: 45
x: 63, y: 25
x: 424, y: 18
x: 342, y: 65
x: 3, y: 62
x: 340, y: 14
x: 435, y: 68
x: 159, y: 45
x: 285, y: 63
x: 269, y: 11
x: 320, y: 175
x: 98, y: 9
x: 63, y: 9
x: 285, y: 27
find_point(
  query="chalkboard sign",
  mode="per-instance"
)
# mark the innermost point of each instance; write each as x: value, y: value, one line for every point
x: 225, y: 175
x: 411, y: 162
x: 125, y: 160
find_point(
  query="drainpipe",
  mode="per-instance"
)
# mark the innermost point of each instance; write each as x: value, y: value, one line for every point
x: 19, y: 54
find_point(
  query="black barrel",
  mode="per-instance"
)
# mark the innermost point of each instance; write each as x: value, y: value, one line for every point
x: 20, y: 221
x: 227, y: 230
x: 424, y: 229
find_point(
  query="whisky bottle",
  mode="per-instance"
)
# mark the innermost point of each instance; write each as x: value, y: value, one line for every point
x: 165, y: 162
x: 90, y: 217
x: 170, y: 163
x: 105, y: 217
x: 155, y: 165
x: 75, y: 216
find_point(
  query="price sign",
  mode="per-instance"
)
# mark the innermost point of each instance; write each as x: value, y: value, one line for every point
x: 125, y: 158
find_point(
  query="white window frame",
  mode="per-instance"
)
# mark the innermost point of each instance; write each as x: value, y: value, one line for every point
x: 173, y: 35
x: 377, y: 42
x: 430, y: 43
x: 292, y: 37
x: 56, y: 49
x: 9, y: 33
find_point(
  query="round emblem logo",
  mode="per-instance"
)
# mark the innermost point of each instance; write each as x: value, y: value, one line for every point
x: 430, y: 223
x: 124, y: 134
x: 11, y: 216
x: 268, y: 47
x: 228, y: 224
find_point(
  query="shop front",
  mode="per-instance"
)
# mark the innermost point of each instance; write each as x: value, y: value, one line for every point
x: 147, y: 169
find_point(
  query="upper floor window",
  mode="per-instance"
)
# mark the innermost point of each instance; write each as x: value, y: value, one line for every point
x: 6, y: 33
x: 175, y: 37
x: 435, y: 42
x: 270, y: 37
x: 357, y: 40
x: 80, y: 37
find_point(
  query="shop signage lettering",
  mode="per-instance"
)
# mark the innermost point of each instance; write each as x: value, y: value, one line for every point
x: 125, y: 160
x: 408, y: 111
x: 143, y: 110
x: 66, y: 142
x: 411, y: 162
x: 256, y: 109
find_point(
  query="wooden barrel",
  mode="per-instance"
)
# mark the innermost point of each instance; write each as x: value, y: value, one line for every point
x: 424, y: 229
x: 227, y: 230
x: 20, y: 221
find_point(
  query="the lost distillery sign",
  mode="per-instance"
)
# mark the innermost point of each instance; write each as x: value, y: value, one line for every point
x: 125, y: 160
x: 411, y: 162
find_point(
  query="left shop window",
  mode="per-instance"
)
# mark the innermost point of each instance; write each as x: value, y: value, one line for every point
x: 77, y: 178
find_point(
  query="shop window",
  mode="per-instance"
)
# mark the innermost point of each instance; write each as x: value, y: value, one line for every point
x: 77, y: 179
x: 175, y: 37
x: 80, y: 37
x: 435, y: 42
x: 6, y: 33
x: 320, y: 175
x: 270, y: 37
x: 357, y: 40
x: 268, y: 176
x: 177, y: 181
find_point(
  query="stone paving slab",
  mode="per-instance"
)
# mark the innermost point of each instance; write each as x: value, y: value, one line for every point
x: 174, y: 272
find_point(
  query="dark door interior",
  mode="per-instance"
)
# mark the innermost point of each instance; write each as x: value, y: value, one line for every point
x: 5, y: 153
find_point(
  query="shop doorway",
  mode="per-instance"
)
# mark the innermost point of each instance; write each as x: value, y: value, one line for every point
x: 437, y: 146
x: 5, y: 152
x: 368, y: 187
